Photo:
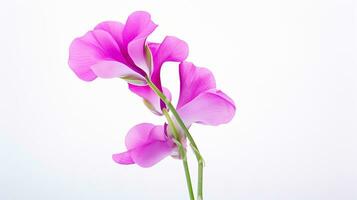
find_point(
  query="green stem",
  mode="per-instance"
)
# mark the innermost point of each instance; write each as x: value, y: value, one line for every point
x: 200, y: 181
x: 200, y: 174
x: 182, y: 153
x: 187, y: 134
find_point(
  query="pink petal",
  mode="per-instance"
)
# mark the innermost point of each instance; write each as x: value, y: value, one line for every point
x: 147, y: 144
x: 152, y: 101
x: 95, y: 46
x: 123, y: 158
x: 211, y: 107
x: 171, y: 49
x: 193, y: 81
x: 156, y: 148
x: 153, y: 47
x: 138, y: 25
x: 115, y: 29
x: 140, y: 55
x: 150, y: 154
x: 107, y: 44
x: 137, y: 28
x: 114, y: 69
x: 138, y: 135
x: 167, y: 93
x: 109, y: 41
x: 83, y: 53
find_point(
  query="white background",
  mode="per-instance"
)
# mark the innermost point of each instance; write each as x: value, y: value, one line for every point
x: 290, y: 66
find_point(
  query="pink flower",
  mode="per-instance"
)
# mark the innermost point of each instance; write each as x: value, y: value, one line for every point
x: 199, y: 102
x: 114, y: 50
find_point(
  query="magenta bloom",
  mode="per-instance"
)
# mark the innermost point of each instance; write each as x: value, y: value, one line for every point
x: 199, y: 102
x: 115, y: 50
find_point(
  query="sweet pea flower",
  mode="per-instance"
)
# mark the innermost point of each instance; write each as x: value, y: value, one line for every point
x: 199, y: 102
x: 113, y: 49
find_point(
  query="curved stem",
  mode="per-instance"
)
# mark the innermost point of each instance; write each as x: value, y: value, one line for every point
x: 182, y: 153
x: 187, y: 134
x: 200, y: 174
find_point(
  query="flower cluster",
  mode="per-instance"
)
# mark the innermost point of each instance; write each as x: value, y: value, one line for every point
x: 113, y: 49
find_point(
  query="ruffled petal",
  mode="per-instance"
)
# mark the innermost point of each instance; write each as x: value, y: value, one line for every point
x: 137, y: 28
x: 193, y: 81
x: 115, y: 29
x: 123, y: 158
x: 141, y: 55
x: 95, y: 46
x: 138, y: 135
x: 147, y: 144
x: 150, y: 154
x: 107, y: 44
x: 138, y: 25
x: 157, y: 147
x: 211, y: 107
x: 114, y: 69
x: 82, y: 55
x: 114, y: 41
x: 171, y: 49
x: 200, y: 101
